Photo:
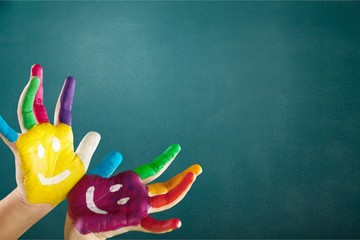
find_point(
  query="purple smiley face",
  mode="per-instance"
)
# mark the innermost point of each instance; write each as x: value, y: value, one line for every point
x: 98, y: 204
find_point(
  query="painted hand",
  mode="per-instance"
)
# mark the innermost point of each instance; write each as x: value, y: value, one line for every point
x: 46, y: 165
x: 104, y: 206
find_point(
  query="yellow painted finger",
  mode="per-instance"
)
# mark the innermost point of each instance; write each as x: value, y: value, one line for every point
x: 161, y: 188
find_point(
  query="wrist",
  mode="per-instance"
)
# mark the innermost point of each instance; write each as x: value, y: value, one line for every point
x: 18, y: 215
x: 70, y: 232
x: 24, y: 206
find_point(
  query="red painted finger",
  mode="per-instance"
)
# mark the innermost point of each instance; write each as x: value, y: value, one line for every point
x: 159, y: 226
x: 39, y: 108
x: 175, y: 195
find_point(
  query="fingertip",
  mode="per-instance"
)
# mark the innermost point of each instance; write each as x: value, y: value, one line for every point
x: 115, y: 155
x: 172, y: 224
x: 87, y: 147
x: 197, y: 169
x: 7, y: 132
x: 36, y: 70
x: 176, y: 147
x: 92, y: 139
x: 35, y: 80
x: 176, y: 223
x: 70, y: 79
x: 94, y: 136
x: 173, y: 149
x: 115, y: 158
x: 69, y: 85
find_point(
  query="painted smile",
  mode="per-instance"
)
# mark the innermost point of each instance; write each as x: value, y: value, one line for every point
x: 90, y: 199
x: 54, y: 180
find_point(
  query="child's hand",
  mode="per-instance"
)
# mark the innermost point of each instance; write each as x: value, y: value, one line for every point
x: 46, y: 165
x: 101, y: 206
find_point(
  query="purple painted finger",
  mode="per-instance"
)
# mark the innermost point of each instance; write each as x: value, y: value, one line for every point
x: 66, y: 100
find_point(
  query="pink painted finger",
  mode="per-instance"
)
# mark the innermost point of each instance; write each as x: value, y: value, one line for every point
x: 39, y: 108
x: 159, y: 226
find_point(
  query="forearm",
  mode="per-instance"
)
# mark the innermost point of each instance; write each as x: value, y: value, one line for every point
x: 17, y: 216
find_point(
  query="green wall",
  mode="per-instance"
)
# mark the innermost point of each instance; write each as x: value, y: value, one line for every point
x: 264, y: 95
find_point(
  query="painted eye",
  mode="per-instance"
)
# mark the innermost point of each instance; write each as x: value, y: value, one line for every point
x: 41, y: 151
x: 56, y: 144
x: 123, y: 201
x: 115, y: 188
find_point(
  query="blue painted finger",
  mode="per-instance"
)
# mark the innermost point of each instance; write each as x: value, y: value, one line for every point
x: 108, y: 165
x: 9, y: 133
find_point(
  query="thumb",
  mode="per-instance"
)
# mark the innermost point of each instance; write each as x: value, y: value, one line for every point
x: 87, y: 147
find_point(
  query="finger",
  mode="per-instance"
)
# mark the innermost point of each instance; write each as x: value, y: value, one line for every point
x: 19, y: 108
x: 87, y: 147
x: 168, y: 200
x: 150, y: 224
x: 39, y: 108
x: 161, y: 188
x: 28, y: 117
x: 152, y: 170
x: 7, y: 132
x: 65, y: 101
x: 108, y: 165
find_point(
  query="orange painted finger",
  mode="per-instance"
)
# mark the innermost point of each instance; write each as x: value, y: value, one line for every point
x: 165, y: 201
x: 150, y: 224
x: 161, y: 188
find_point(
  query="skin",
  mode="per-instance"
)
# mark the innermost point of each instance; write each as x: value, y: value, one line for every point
x: 47, y: 168
x: 46, y: 165
x: 101, y: 206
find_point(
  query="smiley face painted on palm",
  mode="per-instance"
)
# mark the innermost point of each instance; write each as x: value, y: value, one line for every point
x: 48, y: 162
x: 111, y: 203
x: 46, y: 165
x: 109, y: 206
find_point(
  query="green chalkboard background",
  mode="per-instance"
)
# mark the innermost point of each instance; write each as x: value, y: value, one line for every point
x: 264, y: 95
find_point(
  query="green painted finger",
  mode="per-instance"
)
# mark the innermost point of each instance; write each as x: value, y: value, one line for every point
x: 153, y: 168
x: 28, y: 115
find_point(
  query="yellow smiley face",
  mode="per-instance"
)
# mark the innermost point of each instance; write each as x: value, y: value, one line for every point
x: 48, y: 162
